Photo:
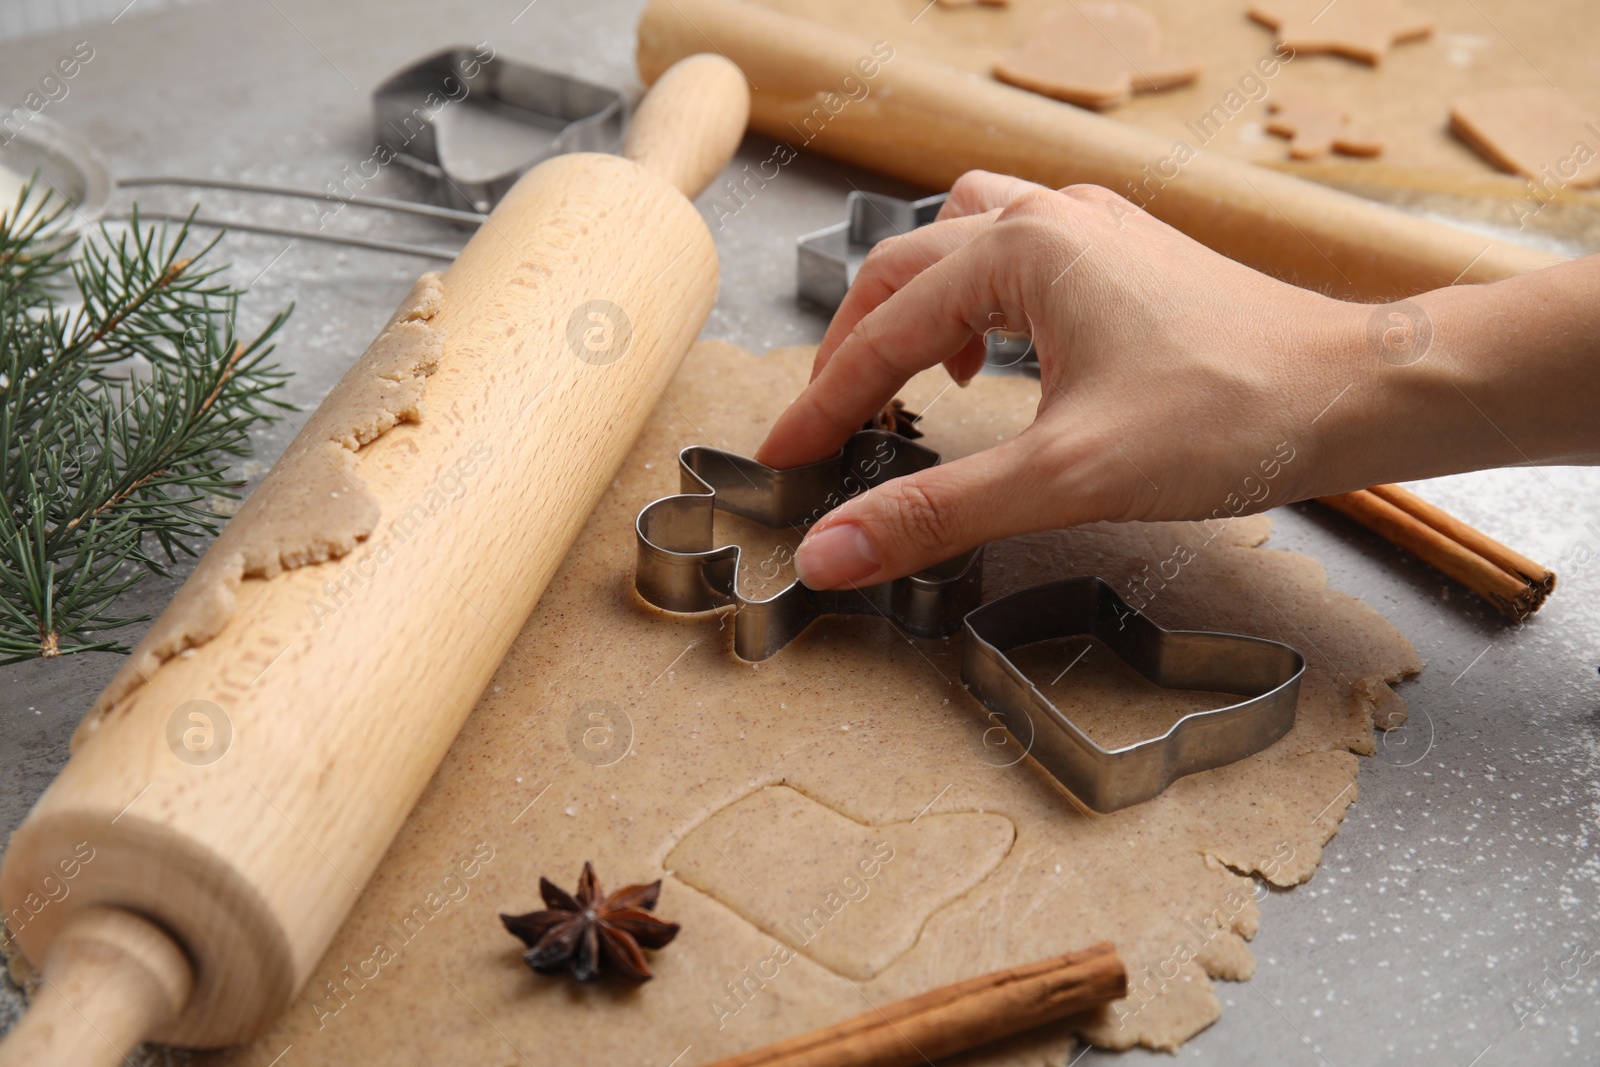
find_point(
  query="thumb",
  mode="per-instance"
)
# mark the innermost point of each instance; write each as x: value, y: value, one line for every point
x: 911, y: 523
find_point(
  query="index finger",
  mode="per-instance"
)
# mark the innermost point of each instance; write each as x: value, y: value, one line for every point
x: 922, y: 325
x: 980, y: 191
x: 887, y: 270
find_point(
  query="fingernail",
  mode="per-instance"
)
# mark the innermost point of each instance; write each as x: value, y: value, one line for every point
x: 836, y: 556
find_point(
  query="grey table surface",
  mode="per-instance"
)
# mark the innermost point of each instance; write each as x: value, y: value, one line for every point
x: 1442, y: 925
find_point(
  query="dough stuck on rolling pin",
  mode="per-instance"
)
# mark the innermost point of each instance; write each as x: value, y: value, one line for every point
x: 312, y: 506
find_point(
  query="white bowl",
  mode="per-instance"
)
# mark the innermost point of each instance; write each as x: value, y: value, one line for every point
x: 66, y: 162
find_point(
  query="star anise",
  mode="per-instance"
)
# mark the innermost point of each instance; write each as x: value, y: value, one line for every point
x: 584, y: 931
x: 896, y: 419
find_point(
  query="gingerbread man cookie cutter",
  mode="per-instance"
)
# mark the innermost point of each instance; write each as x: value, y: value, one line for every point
x: 680, y: 570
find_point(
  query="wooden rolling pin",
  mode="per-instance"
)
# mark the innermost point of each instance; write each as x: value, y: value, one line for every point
x: 203, y: 891
x: 928, y: 122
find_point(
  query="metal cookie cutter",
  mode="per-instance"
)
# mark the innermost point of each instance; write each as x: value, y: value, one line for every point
x: 1266, y: 672
x: 679, y: 570
x: 474, y: 136
x: 830, y: 257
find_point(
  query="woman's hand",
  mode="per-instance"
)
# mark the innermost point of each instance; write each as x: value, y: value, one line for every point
x: 1169, y: 374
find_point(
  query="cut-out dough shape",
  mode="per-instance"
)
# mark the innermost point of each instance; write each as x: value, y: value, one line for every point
x: 1538, y: 132
x: 1316, y: 127
x: 1095, y: 55
x: 849, y: 896
x: 974, y: 3
x: 1357, y: 29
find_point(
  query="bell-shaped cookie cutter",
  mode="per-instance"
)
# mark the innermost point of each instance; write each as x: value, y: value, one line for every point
x: 680, y: 570
x: 1266, y: 672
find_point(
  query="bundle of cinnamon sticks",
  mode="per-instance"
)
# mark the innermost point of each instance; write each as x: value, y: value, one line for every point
x: 1512, y: 582
x: 956, y: 1017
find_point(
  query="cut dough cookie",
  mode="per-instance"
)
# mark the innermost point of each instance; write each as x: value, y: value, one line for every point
x: 1316, y: 127
x: 1357, y: 29
x: 1095, y: 55
x: 1538, y: 131
x: 851, y: 897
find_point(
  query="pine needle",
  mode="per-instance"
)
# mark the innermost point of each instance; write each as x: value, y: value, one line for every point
x: 124, y: 395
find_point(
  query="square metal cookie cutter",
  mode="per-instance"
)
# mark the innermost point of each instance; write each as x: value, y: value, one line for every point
x: 679, y: 570
x: 442, y: 124
x: 830, y: 257
x: 1266, y: 673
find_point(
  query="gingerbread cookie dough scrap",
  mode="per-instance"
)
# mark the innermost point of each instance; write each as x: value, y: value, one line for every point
x: 1363, y: 30
x: 1316, y: 126
x: 1095, y: 55
x: 1536, y: 131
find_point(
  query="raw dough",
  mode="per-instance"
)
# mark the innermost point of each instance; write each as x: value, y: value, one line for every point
x: 312, y: 506
x: 859, y: 731
x: 1358, y: 29
x: 1097, y: 689
x: 1095, y: 55
x: 849, y: 896
x: 1537, y: 131
x: 1317, y: 127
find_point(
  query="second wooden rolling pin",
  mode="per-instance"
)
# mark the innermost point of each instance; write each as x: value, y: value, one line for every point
x: 235, y: 787
x: 929, y: 123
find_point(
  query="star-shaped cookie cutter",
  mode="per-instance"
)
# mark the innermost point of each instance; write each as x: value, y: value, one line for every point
x: 1266, y: 673
x: 679, y: 569
x: 829, y: 258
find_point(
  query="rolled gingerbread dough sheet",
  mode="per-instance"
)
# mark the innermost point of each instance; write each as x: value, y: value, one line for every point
x: 837, y: 826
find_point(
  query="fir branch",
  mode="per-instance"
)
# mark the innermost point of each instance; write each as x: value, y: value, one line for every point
x: 124, y: 394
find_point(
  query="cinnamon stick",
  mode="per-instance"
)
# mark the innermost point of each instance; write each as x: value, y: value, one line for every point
x: 1514, y: 584
x: 954, y: 1018
x: 1501, y: 556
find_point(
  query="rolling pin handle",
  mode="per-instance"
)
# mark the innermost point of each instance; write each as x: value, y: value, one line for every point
x: 690, y: 122
x: 111, y: 980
